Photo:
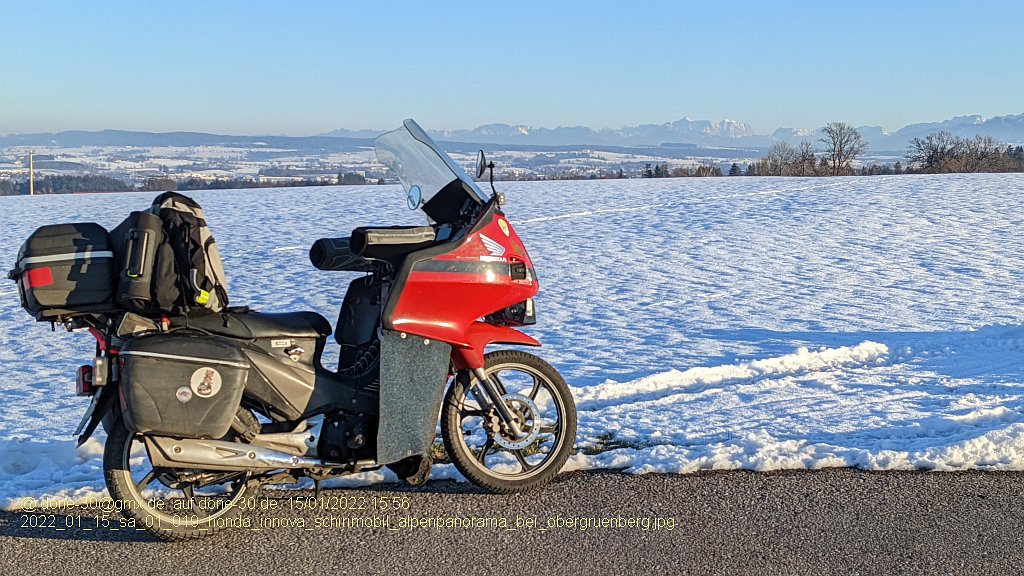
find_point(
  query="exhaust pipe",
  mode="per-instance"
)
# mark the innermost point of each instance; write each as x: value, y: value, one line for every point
x: 224, y: 456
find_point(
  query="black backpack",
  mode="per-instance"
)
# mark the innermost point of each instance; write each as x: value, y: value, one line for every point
x: 167, y: 260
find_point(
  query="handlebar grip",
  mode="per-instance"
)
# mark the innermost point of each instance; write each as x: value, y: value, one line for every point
x: 335, y: 254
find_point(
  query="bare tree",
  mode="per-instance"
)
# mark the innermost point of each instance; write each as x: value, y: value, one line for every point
x: 842, y: 146
x: 805, y: 160
x: 942, y: 152
x: 708, y: 168
x: 932, y: 153
x: 983, y: 154
x: 779, y: 160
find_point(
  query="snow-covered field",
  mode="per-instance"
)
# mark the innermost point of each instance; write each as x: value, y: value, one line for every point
x: 722, y: 323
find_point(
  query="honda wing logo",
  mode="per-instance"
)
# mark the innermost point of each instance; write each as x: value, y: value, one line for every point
x: 493, y: 247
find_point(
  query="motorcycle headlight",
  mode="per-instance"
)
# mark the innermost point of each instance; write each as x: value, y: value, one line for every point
x: 520, y: 314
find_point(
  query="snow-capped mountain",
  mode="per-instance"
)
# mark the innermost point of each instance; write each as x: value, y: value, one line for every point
x: 684, y: 131
x: 725, y: 133
x: 1006, y: 129
x: 707, y: 133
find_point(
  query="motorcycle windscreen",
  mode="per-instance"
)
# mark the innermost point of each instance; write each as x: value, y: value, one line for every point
x: 413, y: 374
x: 432, y: 181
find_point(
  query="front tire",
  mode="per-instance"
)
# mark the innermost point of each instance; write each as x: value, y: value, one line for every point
x: 187, y: 503
x: 484, y: 450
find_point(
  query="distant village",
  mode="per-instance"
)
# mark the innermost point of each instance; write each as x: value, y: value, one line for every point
x: 194, y: 167
x: 161, y: 162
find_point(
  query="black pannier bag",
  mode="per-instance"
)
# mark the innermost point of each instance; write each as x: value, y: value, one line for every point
x: 64, y: 269
x: 184, y: 385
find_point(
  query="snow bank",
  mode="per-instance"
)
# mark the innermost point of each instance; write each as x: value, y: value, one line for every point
x: 49, y: 469
x: 801, y: 361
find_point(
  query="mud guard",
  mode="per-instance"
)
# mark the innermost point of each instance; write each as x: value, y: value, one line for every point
x: 481, y: 334
x: 413, y: 374
x: 102, y: 403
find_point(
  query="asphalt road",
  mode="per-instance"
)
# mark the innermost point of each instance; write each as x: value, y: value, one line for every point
x: 837, y: 521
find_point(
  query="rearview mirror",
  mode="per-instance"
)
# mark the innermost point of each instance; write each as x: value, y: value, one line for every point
x: 414, y: 197
x: 481, y: 164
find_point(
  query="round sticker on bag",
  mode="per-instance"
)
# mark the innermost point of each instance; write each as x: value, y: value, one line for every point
x: 205, y: 382
x: 183, y: 394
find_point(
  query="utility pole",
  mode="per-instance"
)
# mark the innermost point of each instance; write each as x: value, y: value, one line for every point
x: 31, y: 174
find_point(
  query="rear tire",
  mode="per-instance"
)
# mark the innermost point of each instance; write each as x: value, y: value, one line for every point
x: 486, y: 453
x: 178, y: 512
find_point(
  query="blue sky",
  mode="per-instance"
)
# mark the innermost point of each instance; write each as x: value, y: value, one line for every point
x: 307, y: 67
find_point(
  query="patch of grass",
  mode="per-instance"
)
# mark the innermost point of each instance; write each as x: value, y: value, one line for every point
x: 532, y: 448
x: 606, y: 442
x: 438, y: 454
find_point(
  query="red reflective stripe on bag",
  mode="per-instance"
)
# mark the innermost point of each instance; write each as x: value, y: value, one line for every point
x: 39, y: 277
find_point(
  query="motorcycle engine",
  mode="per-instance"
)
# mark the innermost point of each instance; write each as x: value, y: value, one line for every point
x: 348, y: 437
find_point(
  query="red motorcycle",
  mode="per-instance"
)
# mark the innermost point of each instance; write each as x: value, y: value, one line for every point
x: 202, y: 410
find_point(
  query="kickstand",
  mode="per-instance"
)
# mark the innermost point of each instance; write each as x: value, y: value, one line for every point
x: 316, y: 488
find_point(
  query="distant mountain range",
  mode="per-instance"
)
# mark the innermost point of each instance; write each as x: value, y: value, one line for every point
x: 1006, y: 129
x: 691, y: 133
x: 727, y: 133
x: 686, y: 131
x: 120, y: 138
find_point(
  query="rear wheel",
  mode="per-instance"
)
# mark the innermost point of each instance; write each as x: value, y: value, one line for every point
x: 169, y: 503
x: 483, y: 447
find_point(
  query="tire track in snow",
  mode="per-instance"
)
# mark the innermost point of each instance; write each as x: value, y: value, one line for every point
x: 802, y: 361
x: 646, y: 207
x: 598, y: 212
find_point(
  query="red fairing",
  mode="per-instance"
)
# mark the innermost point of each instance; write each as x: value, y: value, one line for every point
x: 444, y: 297
x: 480, y: 335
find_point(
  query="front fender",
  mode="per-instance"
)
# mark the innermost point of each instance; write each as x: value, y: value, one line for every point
x: 479, y: 336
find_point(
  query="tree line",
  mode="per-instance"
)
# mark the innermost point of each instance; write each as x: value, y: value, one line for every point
x: 937, y: 153
x: 663, y: 171
x: 842, y: 144
x: 942, y: 153
x: 55, y: 184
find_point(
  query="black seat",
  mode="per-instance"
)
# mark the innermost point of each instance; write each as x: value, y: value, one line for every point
x: 253, y: 325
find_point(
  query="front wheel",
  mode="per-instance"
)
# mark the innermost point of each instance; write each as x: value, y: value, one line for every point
x: 482, y: 446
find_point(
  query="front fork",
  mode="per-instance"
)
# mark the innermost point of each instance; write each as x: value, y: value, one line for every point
x: 494, y: 392
x: 479, y: 335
